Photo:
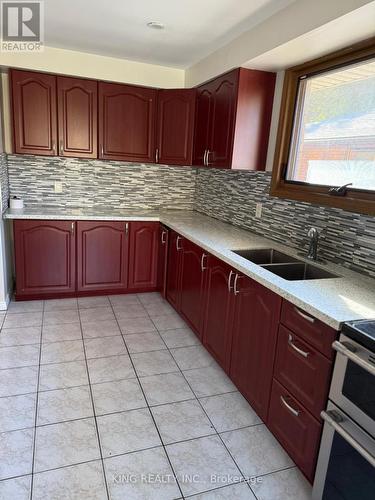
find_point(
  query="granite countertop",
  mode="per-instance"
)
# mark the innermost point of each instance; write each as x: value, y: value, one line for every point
x: 334, y: 301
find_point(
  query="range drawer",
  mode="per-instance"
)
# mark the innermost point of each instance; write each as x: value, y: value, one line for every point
x: 295, y: 428
x: 302, y: 370
x: 312, y: 330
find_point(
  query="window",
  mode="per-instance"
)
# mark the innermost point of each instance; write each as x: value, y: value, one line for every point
x: 327, y: 131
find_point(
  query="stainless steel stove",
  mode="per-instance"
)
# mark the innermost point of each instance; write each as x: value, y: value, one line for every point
x: 346, y: 463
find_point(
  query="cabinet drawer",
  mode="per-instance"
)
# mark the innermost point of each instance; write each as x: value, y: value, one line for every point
x: 297, y: 430
x: 309, y: 328
x: 302, y: 370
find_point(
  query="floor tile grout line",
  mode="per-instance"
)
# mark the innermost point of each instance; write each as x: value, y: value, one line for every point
x: 36, y: 409
x: 151, y: 414
x: 214, y: 427
x: 94, y: 412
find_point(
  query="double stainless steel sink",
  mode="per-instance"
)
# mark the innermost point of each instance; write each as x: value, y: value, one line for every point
x: 284, y: 265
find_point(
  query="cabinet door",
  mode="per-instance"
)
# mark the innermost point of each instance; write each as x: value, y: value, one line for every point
x: 202, y: 123
x: 174, y: 269
x: 193, y: 272
x: 143, y: 256
x: 44, y: 257
x: 223, y: 114
x: 303, y: 371
x: 34, y: 113
x: 127, y: 122
x: 217, y: 334
x: 295, y: 428
x: 175, y: 126
x: 102, y: 256
x: 163, y: 259
x: 256, y: 318
x: 77, y: 112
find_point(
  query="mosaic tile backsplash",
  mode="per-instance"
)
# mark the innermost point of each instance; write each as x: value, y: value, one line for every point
x: 346, y: 238
x: 96, y: 183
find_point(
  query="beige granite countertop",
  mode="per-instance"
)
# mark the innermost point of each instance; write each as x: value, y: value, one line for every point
x: 334, y: 301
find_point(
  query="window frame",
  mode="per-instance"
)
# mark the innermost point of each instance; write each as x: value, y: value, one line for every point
x: 355, y: 200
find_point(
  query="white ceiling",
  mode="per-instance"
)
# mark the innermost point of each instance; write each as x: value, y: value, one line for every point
x: 193, y: 28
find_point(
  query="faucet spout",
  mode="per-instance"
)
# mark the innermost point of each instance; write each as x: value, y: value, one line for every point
x: 313, y: 235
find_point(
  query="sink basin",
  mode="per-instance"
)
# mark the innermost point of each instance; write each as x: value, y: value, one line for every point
x: 265, y: 256
x: 299, y: 271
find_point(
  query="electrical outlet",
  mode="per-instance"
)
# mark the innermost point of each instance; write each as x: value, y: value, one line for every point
x: 58, y: 187
x: 258, y: 210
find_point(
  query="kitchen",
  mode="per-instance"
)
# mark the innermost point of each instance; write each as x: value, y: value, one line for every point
x: 187, y: 252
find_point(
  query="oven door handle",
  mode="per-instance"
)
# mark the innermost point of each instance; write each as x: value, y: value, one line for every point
x: 342, y: 349
x: 345, y: 435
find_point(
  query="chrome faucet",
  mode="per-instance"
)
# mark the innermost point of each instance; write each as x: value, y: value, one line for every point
x: 313, y: 234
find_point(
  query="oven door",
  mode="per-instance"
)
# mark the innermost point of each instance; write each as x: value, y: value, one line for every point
x: 353, y: 382
x: 346, y: 463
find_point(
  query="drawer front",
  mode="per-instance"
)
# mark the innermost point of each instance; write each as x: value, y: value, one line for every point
x: 295, y: 428
x: 312, y: 330
x: 303, y: 371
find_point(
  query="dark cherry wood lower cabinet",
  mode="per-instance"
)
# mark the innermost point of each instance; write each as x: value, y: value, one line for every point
x: 296, y: 429
x: 102, y: 256
x: 303, y: 371
x: 45, y: 257
x: 192, y: 281
x: 174, y: 269
x: 143, y: 255
x: 255, y: 325
x: 163, y: 259
x: 217, y: 332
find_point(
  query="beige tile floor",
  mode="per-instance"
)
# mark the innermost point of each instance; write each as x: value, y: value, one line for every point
x: 114, y: 397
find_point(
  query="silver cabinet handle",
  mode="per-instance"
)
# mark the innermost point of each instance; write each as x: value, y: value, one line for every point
x: 164, y: 237
x: 61, y: 147
x: 304, y: 315
x: 72, y: 228
x: 327, y: 417
x: 305, y: 354
x: 342, y: 349
x: 290, y: 408
x: 207, y: 155
x: 235, y: 289
x: 101, y: 151
x: 178, y: 239
x: 203, y: 267
x: 205, y: 158
x: 230, y: 281
x: 157, y: 155
x: 54, y: 146
x: 127, y: 228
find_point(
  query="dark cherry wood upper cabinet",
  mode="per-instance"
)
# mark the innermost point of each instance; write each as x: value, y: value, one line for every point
x: 34, y: 113
x: 174, y: 269
x: 233, y: 120
x: 219, y: 151
x: 77, y: 117
x: 217, y: 333
x: 143, y: 255
x: 204, y: 101
x: 163, y: 259
x: 127, y: 122
x: 256, y: 319
x: 102, y: 255
x: 44, y: 257
x: 175, y: 126
x: 193, y: 273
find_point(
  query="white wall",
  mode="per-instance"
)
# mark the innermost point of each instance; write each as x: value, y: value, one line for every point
x: 69, y: 62
x: 297, y: 19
